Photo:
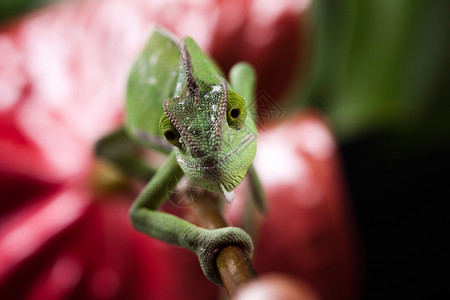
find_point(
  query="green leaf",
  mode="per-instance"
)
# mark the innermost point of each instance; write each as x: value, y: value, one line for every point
x: 152, y: 80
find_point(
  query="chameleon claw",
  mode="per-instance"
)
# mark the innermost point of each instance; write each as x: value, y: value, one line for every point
x: 211, y: 242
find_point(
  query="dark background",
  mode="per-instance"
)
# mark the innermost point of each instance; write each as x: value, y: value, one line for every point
x: 399, y: 205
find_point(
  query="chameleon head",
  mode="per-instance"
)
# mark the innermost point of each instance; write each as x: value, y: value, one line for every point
x: 215, y: 140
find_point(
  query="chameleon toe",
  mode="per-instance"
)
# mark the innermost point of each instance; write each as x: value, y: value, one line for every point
x: 212, y: 241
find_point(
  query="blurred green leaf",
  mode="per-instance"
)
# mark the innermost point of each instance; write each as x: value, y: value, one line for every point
x: 380, y: 67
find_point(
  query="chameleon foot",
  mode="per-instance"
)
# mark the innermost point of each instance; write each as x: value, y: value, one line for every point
x: 209, y: 244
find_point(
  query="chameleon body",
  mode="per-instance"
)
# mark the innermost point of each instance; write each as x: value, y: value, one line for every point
x: 178, y: 102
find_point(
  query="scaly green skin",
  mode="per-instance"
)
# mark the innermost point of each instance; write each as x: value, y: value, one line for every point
x: 176, y: 92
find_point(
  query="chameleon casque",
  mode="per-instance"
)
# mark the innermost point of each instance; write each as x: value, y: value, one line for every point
x: 179, y: 103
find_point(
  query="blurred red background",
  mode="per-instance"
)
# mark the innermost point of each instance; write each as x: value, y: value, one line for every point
x: 63, y: 72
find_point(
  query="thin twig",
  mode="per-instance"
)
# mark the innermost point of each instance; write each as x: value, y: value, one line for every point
x: 232, y: 262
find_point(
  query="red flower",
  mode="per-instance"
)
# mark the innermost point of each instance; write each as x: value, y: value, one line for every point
x: 307, y: 232
x: 63, y: 72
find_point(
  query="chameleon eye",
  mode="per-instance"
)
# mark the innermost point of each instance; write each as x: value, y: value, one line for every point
x: 236, y: 110
x: 169, y: 131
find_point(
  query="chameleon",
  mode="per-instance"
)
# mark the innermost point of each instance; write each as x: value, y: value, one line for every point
x: 179, y: 103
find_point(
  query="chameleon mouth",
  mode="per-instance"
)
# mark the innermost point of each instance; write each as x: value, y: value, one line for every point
x: 245, y: 142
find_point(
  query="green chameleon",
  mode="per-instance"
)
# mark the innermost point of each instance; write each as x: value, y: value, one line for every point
x: 179, y: 103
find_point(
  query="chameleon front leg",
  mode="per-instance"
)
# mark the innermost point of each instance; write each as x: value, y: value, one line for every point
x: 256, y: 190
x: 204, y: 243
x: 243, y: 80
x: 124, y: 153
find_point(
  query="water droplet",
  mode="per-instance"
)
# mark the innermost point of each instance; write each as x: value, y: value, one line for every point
x: 153, y: 59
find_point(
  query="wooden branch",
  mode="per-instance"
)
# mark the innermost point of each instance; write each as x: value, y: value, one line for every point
x: 233, y: 263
